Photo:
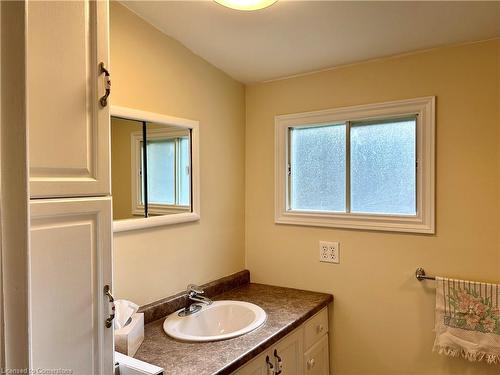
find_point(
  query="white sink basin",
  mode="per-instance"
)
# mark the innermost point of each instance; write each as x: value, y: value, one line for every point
x: 219, y: 321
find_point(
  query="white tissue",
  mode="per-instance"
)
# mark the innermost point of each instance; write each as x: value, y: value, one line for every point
x: 123, y: 312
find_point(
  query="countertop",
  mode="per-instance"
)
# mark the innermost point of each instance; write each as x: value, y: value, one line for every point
x: 286, y: 310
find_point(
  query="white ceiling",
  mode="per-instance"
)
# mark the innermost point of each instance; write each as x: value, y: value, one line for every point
x: 294, y: 37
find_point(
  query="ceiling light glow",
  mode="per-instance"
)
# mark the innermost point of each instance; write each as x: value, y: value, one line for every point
x: 246, y: 4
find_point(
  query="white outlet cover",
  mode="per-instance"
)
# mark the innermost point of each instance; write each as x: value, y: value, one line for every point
x: 329, y: 252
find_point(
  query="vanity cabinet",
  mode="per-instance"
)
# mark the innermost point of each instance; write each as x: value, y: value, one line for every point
x: 68, y: 126
x: 303, y: 351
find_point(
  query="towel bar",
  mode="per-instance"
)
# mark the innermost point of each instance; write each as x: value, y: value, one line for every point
x: 420, y: 275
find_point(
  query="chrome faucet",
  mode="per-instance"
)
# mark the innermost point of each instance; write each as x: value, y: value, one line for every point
x: 194, y: 298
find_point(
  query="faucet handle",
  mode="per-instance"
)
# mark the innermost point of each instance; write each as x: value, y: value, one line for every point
x: 192, y: 288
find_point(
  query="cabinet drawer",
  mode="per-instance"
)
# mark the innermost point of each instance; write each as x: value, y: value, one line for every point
x: 315, y: 327
x: 316, y: 361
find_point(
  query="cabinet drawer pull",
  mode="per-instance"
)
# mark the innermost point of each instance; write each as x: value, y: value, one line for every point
x: 107, y: 84
x: 279, y: 362
x: 107, y: 293
x: 311, y: 363
x: 270, y: 367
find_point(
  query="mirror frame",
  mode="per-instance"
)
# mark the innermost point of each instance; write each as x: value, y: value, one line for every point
x: 156, y: 221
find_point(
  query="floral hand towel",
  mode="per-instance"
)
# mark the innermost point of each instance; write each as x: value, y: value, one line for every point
x: 468, y: 320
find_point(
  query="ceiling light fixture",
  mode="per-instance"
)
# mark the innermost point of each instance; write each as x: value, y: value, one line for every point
x: 246, y: 4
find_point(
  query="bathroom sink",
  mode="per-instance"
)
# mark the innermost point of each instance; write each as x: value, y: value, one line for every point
x: 219, y: 321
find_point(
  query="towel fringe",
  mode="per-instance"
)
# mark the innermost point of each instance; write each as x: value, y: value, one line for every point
x: 471, y: 356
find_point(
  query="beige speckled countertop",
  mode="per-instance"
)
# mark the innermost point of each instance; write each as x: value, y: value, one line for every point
x: 286, y: 310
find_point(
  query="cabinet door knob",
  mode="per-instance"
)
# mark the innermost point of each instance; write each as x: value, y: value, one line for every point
x: 109, y: 320
x: 107, y: 84
x: 311, y: 363
x: 320, y: 328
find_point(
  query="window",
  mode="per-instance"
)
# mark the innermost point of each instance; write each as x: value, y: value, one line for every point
x: 168, y: 184
x: 168, y: 171
x: 365, y: 167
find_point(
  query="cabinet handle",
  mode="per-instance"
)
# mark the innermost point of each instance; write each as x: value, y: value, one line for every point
x: 107, y: 84
x: 311, y: 363
x: 270, y: 367
x: 320, y: 328
x: 107, y: 293
x: 279, y: 362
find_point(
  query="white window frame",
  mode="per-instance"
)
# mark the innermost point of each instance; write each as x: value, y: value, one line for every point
x: 156, y: 221
x: 136, y: 183
x: 422, y: 222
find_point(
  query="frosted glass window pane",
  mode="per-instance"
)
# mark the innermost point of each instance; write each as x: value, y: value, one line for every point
x: 161, y: 171
x: 318, y: 167
x: 184, y: 169
x: 383, y: 176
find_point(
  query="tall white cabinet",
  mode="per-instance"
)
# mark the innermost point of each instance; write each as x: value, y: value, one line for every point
x: 70, y: 256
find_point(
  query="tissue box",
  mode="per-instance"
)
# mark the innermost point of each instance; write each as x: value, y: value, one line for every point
x: 129, y: 338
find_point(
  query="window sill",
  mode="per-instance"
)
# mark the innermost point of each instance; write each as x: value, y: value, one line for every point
x: 410, y: 224
x: 157, y: 209
x: 154, y: 221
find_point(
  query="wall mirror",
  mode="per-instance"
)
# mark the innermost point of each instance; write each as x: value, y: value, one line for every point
x: 154, y: 169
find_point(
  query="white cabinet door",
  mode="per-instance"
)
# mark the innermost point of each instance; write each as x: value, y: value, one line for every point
x: 284, y: 358
x: 289, y: 352
x: 69, y: 264
x: 68, y: 127
x: 257, y: 366
x: 316, y: 360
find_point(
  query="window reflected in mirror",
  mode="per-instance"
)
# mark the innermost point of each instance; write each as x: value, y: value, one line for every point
x: 153, y: 180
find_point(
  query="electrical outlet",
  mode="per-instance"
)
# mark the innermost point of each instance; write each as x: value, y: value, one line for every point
x: 324, y: 254
x: 329, y: 252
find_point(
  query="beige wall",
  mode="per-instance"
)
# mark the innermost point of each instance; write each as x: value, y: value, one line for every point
x: 153, y: 72
x: 121, y: 166
x: 382, y: 317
